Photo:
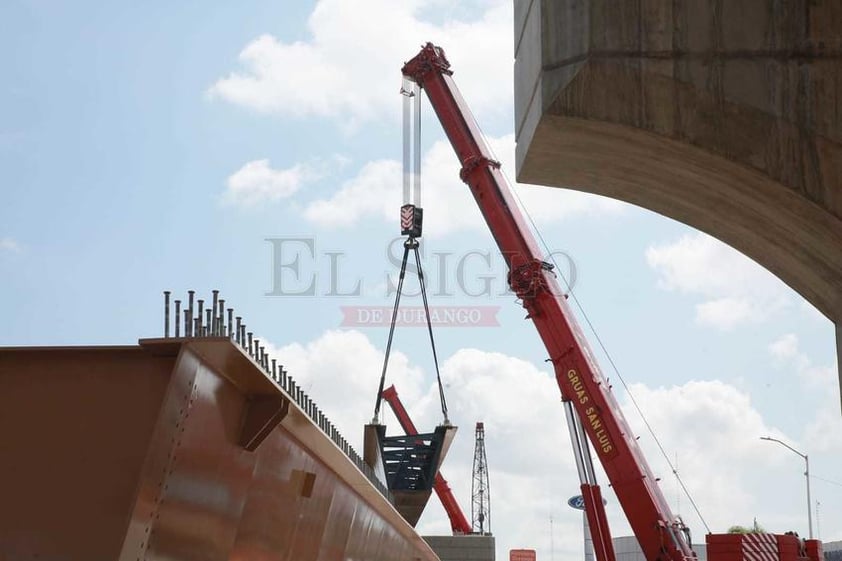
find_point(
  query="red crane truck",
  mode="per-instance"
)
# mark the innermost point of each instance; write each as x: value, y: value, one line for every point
x: 591, y: 407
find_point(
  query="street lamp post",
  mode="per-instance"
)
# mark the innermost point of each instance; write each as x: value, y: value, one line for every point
x: 806, y: 474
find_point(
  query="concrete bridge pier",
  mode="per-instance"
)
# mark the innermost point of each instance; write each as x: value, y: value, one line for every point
x: 723, y: 114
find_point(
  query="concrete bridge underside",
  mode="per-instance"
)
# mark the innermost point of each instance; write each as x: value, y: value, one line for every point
x: 723, y: 114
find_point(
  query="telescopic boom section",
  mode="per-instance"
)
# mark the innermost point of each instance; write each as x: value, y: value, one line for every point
x: 458, y: 523
x: 660, y: 534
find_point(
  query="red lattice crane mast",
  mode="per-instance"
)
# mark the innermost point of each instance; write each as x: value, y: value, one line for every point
x: 458, y: 523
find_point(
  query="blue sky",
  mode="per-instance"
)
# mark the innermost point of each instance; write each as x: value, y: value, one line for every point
x: 154, y: 146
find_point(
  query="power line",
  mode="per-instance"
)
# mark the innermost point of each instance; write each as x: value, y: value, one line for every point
x: 572, y: 296
x: 816, y: 477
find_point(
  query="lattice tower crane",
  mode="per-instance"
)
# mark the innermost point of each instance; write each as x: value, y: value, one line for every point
x: 480, y: 488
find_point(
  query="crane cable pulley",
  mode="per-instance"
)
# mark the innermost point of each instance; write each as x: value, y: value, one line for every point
x: 411, y: 223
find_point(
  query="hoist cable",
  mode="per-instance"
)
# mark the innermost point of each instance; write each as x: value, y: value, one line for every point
x: 416, y: 94
x: 411, y: 97
x: 604, y: 348
x: 410, y: 244
x: 391, y: 333
x: 617, y: 372
x: 430, y: 331
x: 406, y: 93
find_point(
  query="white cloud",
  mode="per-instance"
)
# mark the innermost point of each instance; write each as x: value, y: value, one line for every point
x: 725, y: 313
x: 346, y: 388
x: 786, y: 353
x: 785, y: 347
x: 531, y: 469
x: 526, y: 439
x: 448, y: 205
x: 513, y: 398
x: 256, y: 182
x: 711, y: 426
x: 348, y: 68
x: 9, y: 244
x: 374, y: 191
x: 823, y: 432
x: 333, y: 74
x: 713, y: 429
x: 736, y: 290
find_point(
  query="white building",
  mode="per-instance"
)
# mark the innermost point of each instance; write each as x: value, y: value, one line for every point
x: 626, y: 548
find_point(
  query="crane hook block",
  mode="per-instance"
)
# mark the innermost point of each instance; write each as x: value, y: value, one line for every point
x: 411, y: 219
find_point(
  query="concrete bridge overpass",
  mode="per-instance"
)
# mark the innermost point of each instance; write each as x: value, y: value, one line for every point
x: 723, y: 114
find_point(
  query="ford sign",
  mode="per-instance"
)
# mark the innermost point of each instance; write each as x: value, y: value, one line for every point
x: 577, y: 502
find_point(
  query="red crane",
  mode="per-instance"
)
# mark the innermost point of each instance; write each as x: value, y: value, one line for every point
x: 590, y: 405
x: 581, y: 383
x: 458, y: 523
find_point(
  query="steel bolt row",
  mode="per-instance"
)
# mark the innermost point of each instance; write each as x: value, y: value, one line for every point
x: 217, y: 321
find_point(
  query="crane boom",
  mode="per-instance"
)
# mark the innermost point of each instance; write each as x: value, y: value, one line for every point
x: 660, y: 534
x: 458, y: 523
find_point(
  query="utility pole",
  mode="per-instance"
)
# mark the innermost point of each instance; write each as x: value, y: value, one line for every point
x: 677, y: 488
x: 480, y: 488
x: 806, y: 474
x: 818, y: 522
x: 552, y: 542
